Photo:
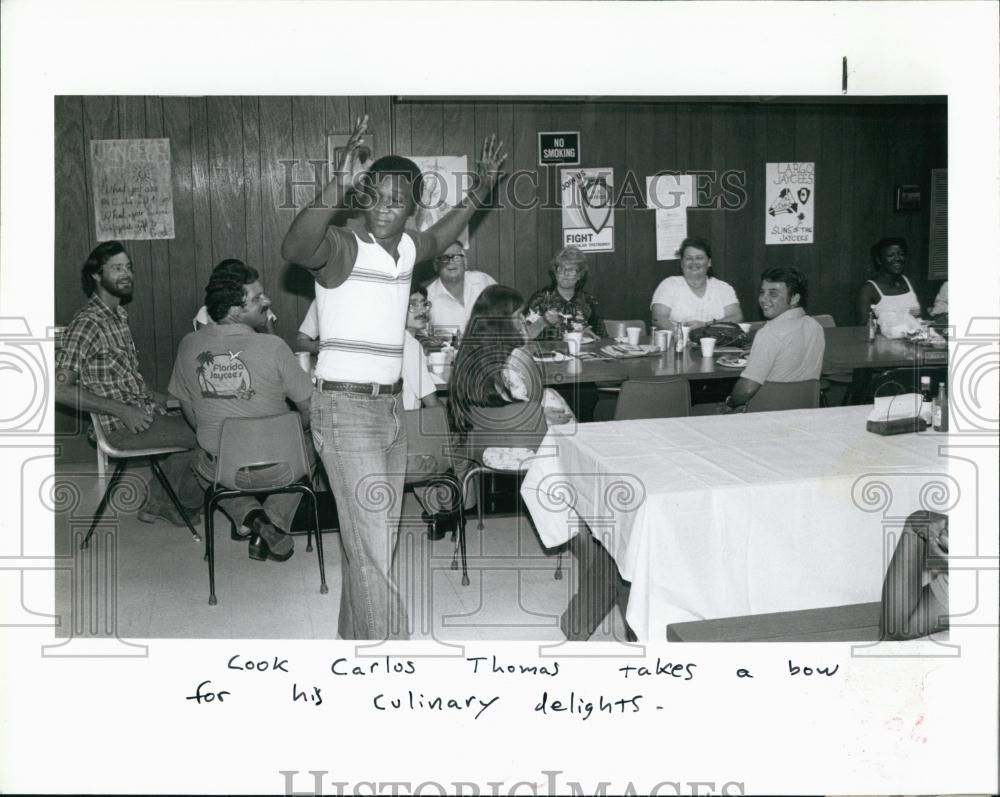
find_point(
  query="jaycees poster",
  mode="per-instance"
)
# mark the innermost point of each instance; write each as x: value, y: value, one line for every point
x: 790, y: 197
x: 588, y: 215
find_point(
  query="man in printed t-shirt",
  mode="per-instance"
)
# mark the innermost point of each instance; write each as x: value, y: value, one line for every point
x: 226, y: 370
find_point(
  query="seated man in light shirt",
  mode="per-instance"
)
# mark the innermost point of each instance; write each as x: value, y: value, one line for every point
x: 308, y: 337
x: 419, y: 387
x: 455, y: 290
x: 790, y: 345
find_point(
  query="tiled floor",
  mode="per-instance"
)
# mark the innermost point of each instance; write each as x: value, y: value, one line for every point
x: 140, y: 580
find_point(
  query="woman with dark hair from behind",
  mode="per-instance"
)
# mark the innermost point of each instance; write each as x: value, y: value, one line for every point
x: 492, y: 369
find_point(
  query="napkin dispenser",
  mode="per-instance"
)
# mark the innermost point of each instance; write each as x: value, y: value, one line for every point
x: 896, y: 415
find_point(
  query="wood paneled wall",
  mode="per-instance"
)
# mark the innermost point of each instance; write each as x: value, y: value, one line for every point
x: 229, y: 183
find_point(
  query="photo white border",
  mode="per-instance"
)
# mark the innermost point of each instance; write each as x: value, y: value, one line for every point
x: 123, y: 726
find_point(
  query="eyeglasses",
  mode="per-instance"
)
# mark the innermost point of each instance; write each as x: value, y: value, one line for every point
x: 449, y: 258
x: 569, y: 271
x: 419, y: 304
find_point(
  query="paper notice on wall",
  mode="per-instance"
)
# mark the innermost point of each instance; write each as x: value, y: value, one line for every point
x: 588, y: 214
x: 446, y: 181
x: 789, y: 199
x: 670, y: 195
x: 133, y: 199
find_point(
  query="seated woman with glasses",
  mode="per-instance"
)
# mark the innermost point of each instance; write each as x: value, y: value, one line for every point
x: 564, y: 306
x: 455, y: 290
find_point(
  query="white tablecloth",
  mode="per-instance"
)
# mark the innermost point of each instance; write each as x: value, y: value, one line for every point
x: 732, y: 515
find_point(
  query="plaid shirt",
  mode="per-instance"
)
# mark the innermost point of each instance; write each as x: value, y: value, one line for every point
x: 98, y: 346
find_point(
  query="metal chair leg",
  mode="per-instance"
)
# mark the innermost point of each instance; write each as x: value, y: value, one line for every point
x: 323, y: 589
x: 99, y: 513
x: 173, y: 497
x: 461, y: 543
x: 559, y: 572
x: 210, y: 543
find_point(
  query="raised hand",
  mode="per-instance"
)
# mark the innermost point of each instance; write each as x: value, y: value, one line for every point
x: 491, y: 158
x: 350, y: 165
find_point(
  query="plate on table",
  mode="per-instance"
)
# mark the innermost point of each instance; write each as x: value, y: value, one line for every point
x: 550, y: 357
x: 732, y: 361
x: 628, y: 350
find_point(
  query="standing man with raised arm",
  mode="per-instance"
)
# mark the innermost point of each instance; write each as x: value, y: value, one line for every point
x: 362, y: 274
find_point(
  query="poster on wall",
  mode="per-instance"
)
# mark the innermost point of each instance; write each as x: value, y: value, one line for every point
x: 789, y: 201
x: 133, y: 200
x: 588, y: 214
x: 446, y: 179
x: 670, y: 195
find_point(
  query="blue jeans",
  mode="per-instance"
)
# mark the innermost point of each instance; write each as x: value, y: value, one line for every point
x: 362, y: 442
x: 279, y: 507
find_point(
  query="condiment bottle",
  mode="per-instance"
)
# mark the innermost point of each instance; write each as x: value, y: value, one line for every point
x: 941, y: 409
x: 926, y: 404
x: 678, y: 338
x: 871, y: 326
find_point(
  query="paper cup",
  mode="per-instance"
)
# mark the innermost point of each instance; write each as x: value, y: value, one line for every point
x: 707, y: 347
x: 573, y: 342
x: 633, y: 335
x: 745, y: 327
x: 438, y: 360
x: 661, y: 339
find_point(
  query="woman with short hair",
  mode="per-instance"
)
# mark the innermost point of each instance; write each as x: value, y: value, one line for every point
x: 564, y: 306
x: 695, y: 298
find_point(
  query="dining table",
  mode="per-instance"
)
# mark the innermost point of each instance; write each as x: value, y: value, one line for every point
x: 734, y: 515
x: 847, y: 349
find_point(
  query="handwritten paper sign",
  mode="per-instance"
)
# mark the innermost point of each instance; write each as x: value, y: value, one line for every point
x: 790, y: 203
x: 132, y: 195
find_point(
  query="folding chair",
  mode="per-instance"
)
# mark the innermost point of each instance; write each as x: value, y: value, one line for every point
x: 501, y: 440
x: 616, y: 328
x: 248, y: 443
x: 653, y: 398
x: 773, y: 396
x: 124, y: 456
x: 429, y: 463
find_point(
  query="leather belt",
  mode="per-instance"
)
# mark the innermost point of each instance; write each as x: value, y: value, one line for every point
x: 365, y: 388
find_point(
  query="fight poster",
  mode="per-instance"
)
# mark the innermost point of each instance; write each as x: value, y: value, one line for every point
x: 790, y: 198
x: 588, y: 213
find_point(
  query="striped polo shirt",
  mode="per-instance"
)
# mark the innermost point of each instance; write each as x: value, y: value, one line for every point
x: 361, y: 322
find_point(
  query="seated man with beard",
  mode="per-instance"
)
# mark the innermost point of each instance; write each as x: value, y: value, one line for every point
x: 97, y: 370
